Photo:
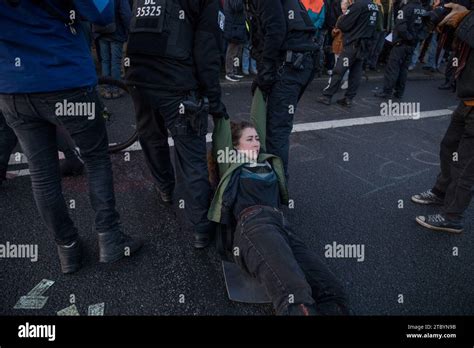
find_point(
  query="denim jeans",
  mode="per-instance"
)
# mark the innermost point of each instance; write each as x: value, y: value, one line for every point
x: 291, y: 273
x: 430, y: 60
x: 456, y: 180
x: 33, y: 118
x: 416, y: 54
x: 8, y: 142
x: 111, y: 56
x: 248, y: 63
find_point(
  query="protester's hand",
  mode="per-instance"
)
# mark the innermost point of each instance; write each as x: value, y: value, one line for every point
x: 458, y: 12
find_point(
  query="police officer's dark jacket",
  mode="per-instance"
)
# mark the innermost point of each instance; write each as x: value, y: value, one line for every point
x: 465, y: 80
x: 409, y: 28
x: 359, y: 21
x: 176, y: 46
x: 278, y: 26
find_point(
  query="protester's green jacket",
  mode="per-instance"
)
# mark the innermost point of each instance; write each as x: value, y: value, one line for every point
x: 221, y: 205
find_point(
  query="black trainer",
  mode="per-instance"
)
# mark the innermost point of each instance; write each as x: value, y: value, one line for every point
x: 116, y: 245
x: 427, y: 197
x: 70, y: 257
x: 440, y: 223
x: 166, y: 197
x: 346, y: 102
x: 324, y: 100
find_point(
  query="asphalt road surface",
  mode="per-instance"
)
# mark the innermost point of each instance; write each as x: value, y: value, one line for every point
x: 350, y: 184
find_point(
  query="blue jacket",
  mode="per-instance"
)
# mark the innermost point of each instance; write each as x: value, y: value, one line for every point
x: 123, y: 16
x: 39, y: 53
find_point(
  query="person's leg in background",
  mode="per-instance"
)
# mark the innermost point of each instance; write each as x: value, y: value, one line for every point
x: 416, y: 56
x: 403, y: 74
x: 8, y: 142
x: 106, y: 59
x: 376, y: 50
x: 430, y: 61
x: 246, y: 60
x: 233, y: 61
x: 116, y: 49
x: 449, y: 75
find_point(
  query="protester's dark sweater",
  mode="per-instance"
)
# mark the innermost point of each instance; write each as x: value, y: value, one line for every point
x: 257, y: 185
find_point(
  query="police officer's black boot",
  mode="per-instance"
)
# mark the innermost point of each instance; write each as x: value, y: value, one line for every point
x: 346, y: 102
x: 116, y: 245
x: 165, y: 197
x: 383, y: 95
x: 71, y: 166
x: 324, y: 100
x: 203, y: 235
x: 70, y: 256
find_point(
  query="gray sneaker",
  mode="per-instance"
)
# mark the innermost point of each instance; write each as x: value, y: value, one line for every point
x: 428, y: 198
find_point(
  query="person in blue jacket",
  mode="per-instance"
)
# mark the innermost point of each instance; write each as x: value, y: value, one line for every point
x: 48, y: 82
x: 111, y: 39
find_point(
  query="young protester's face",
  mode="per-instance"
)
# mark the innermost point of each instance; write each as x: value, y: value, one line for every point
x: 249, y: 143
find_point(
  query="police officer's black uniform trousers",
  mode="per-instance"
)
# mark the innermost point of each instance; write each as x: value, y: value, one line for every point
x: 396, y: 71
x: 352, y: 57
x: 157, y: 112
x: 282, y: 101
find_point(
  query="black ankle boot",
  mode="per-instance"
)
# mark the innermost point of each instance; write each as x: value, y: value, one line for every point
x: 203, y: 235
x: 70, y: 257
x: 116, y: 245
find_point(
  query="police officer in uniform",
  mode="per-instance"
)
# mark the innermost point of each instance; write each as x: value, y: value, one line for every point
x: 282, y: 44
x: 407, y: 32
x: 358, y: 26
x: 174, y: 50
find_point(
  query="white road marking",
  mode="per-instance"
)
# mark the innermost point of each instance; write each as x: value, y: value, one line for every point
x: 301, y: 127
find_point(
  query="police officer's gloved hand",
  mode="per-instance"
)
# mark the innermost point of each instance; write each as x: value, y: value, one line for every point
x: 265, y: 79
x: 223, y: 115
x: 221, y: 112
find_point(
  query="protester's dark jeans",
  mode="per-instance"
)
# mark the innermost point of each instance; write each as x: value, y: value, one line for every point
x: 281, y: 106
x: 350, y: 58
x: 270, y: 251
x: 456, y: 181
x: 396, y: 70
x: 33, y: 118
x: 8, y: 142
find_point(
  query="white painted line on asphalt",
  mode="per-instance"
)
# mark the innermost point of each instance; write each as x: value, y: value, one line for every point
x: 301, y: 127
